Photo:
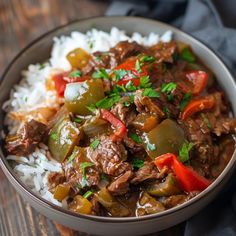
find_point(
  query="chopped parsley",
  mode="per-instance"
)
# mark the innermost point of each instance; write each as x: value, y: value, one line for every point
x: 130, y: 86
x: 184, y: 151
x: 95, y: 144
x: 88, y: 194
x: 206, y: 121
x: 90, y: 44
x: 77, y: 119
x: 168, y: 89
x: 137, y: 163
x: 119, y: 89
x: 75, y: 74
x: 135, y: 137
x: 147, y: 59
x: 100, y: 74
x: 108, y: 102
x: 151, y: 146
x: 150, y: 92
x: 99, y: 58
x: 145, y: 82
x: 166, y: 111
x: 83, y: 166
x: 187, y: 55
x: 72, y: 157
x: 119, y: 74
x: 127, y: 103
x: 53, y: 136
x: 138, y: 66
x: 92, y: 108
x: 104, y: 177
x: 186, y: 99
x: 42, y: 66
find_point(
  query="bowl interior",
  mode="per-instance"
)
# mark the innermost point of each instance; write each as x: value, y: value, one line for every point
x: 39, y: 51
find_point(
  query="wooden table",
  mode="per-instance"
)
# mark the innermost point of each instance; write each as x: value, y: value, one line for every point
x: 21, y: 21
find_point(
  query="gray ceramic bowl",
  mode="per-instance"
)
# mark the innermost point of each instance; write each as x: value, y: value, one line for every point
x: 39, y: 51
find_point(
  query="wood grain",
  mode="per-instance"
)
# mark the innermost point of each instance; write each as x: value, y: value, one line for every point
x: 21, y: 21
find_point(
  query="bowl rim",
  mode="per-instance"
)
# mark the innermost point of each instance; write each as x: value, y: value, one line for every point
x: 58, y: 209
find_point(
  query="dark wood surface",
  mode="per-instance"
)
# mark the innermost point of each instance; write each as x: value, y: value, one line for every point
x: 21, y: 21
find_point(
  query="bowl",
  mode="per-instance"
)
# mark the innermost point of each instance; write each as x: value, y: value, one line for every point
x: 39, y: 51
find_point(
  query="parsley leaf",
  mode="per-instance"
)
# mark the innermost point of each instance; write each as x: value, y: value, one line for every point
x: 72, y: 157
x: 135, y: 137
x: 151, y: 146
x: 119, y: 89
x: 42, y: 66
x: 84, y: 182
x: 95, y: 144
x: 186, y: 99
x: 88, y: 194
x: 92, y: 108
x: 104, y: 177
x: 184, y: 151
x: 206, y: 121
x: 167, y: 112
x: 119, y: 74
x: 100, y: 74
x: 77, y: 119
x: 126, y: 103
x: 53, y: 136
x: 130, y: 86
x: 145, y: 82
x: 138, y: 66
x: 137, y: 163
x: 187, y: 55
x: 108, y: 102
x: 147, y: 59
x: 75, y: 74
x: 99, y: 58
x: 150, y: 92
x: 168, y: 89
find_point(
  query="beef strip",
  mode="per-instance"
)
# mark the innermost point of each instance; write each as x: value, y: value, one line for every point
x: 135, y: 148
x: 74, y: 175
x: 121, y: 184
x: 164, y: 51
x: 125, y: 114
x: 55, y: 178
x: 27, y: 138
x: 148, y: 172
x: 109, y: 157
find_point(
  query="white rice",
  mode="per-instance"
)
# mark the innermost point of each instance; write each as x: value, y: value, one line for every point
x: 31, y: 93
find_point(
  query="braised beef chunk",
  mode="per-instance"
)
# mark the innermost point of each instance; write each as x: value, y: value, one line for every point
x: 109, y: 156
x: 27, y: 138
x: 148, y: 172
x: 121, y: 184
x: 55, y: 178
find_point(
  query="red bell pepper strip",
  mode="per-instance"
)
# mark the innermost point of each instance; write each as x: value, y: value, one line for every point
x: 199, y: 80
x: 188, y: 179
x: 62, y: 79
x: 133, y: 75
x: 194, y: 106
x: 120, y: 128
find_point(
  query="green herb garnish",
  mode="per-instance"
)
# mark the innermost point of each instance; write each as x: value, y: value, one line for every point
x: 186, y: 99
x: 184, y: 151
x: 83, y: 166
x: 98, y: 58
x: 127, y: 104
x: 42, y: 66
x: 137, y: 163
x: 147, y: 59
x: 135, y: 137
x: 206, y: 121
x: 53, y: 136
x: 138, y: 66
x: 100, y: 74
x: 119, y: 74
x: 167, y: 112
x: 130, y: 86
x: 150, y: 92
x: 168, y: 89
x: 88, y: 194
x: 75, y: 74
x: 187, y: 55
x: 95, y: 144
x: 77, y: 119
x: 104, y: 177
x: 108, y: 102
x: 92, y: 108
x: 72, y: 157
x: 145, y: 82
x: 151, y: 146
